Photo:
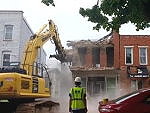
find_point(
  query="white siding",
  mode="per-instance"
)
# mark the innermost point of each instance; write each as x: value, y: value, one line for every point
x: 21, y: 34
x: 10, y: 18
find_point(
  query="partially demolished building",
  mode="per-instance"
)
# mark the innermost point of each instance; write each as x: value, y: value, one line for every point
x: 112, y: 66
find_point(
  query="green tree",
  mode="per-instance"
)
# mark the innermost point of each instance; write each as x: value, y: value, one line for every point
x: 111, y: 14
x: 48, y: 2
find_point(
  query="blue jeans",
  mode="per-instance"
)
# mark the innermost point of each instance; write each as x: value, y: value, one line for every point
x: 79, y: 111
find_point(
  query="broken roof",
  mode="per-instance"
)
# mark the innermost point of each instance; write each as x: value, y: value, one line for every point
x: 104, y: 41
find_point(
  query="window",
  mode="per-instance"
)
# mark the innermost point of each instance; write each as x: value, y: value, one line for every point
x: 82, y: 52
x: 6, y: 59
x: 8, y: 32
x: 128, y: 55
x: 110, y: 56
x: 143, y: 55
x: 96, y: 56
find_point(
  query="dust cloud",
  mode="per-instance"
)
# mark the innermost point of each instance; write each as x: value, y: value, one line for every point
x: 62, y: 81
x: 66, y: 84
x: 61, y: 78
x: 92, y: 103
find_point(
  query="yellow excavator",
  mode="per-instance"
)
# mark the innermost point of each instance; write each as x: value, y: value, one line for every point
x: 24, y: 82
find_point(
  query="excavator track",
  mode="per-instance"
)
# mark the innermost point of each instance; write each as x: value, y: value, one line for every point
x: 40, y: 106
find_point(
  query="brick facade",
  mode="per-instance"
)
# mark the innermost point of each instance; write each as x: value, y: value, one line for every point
x: 110, y: 76
x: 134, y: 41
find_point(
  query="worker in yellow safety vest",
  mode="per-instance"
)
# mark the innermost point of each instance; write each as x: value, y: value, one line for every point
x: 77, y: 101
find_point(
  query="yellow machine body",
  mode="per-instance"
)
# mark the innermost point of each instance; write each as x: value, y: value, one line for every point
x: 16, y: 85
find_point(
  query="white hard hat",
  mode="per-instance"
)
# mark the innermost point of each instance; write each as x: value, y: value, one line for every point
x: 77, y: 79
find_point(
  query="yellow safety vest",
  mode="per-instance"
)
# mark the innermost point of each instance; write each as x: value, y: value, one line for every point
x: 77, y: 95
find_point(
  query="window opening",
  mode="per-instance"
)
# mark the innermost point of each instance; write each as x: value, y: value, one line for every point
x: 110, y: 56
x: 143, y: 55
x: 8, y: 32
x: 96, y: 56
x: 6, y: 59
x: 82, y: 52
x: 129, y: 55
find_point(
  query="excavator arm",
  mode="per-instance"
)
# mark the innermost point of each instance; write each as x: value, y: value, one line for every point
x: 37, y: 41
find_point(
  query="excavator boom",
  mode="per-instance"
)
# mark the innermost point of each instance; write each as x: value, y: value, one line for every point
x: 37, y: 41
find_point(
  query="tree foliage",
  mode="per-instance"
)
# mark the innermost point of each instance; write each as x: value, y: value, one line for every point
x: 111, y: 14
x: 48, y: 2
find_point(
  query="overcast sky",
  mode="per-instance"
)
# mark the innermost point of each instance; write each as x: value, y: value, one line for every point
x: 71, y: 25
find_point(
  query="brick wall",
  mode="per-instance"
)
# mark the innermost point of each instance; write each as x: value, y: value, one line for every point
x: 134, y: 41
x: 120, y: 41
x: 116, y: 41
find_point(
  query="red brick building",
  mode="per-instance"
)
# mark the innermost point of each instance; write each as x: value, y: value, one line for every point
x: 113, y: 65
x: 132, y: 57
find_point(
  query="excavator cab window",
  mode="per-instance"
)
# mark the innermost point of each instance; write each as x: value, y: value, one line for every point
x: 37, y: 70
x: 41, y: 71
